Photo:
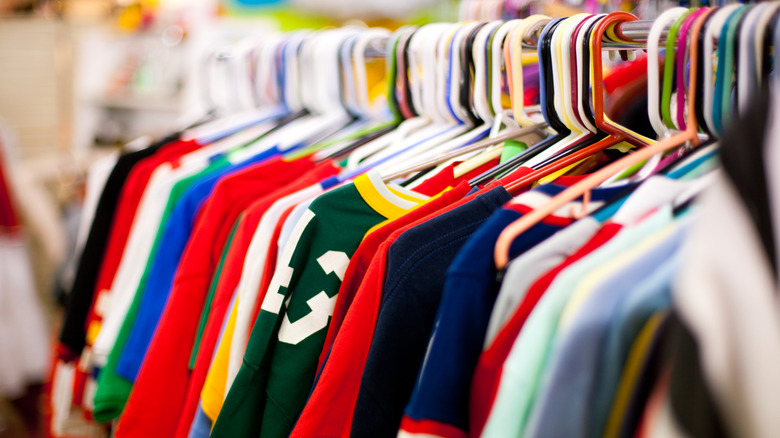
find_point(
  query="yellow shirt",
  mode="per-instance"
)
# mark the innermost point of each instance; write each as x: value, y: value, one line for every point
x: 213, y: 393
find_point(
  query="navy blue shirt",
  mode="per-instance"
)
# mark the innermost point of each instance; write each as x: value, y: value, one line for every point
x: 414, y: 281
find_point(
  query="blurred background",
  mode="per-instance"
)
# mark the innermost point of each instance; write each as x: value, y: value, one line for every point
x: 81, y: 78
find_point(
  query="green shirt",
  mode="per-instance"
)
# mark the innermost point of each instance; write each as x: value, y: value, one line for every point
x: 280, y: 362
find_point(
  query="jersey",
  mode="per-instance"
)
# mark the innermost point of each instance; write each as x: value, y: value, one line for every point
x: 281, y: 358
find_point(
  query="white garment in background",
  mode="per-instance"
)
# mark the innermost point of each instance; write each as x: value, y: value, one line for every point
x: 24, y: 341
x: 726, y: 295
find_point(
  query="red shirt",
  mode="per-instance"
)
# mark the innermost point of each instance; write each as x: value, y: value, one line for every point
x: 487, y: 373
x: 155, y: 404
x: 228, y: 282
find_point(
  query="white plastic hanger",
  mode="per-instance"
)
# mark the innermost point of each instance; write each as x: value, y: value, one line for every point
x: 441, y: 126
x: 266, y: 90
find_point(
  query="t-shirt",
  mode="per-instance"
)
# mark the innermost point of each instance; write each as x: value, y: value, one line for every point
x: 224, y: 285
x: 164, y: 376
x: 310, y: 271
x: 334, y: 393
x: 411, y: 294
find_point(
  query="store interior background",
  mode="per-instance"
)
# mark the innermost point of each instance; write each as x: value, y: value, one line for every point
x: 81, y: 78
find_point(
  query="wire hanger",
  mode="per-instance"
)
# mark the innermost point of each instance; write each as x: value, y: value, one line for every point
x: 583, y: 187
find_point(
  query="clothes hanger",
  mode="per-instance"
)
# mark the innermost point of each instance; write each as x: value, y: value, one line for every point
x: 658, y: 162
x: 581, y: 83
x: 514, y: 66
x: 456, y: 92
x: 731, y: 85
x: 731, y: 80
x: 496, y: 31
x: 496, y: 91
x: 583, y: 53
x: 583, y: 187
x: 714, y: 26
x: 582, y: 135
x: 440, y: 126
x: 400, y: 89
x: 432, y: 128
x: 579, y: 137
x: 330, y: 117
x: 748, y: 70
x: 368, y: 136
x: 616, y: 133
x: 478, y: 132
x: 370, y: 119
x: 509, y: 134
x: 680, y: 64
x: 224, y: 124
x: 725, y: 68
x: 266, y: 88
x: 763, y: 43
x: 669, y: 65
x: 554, y: 123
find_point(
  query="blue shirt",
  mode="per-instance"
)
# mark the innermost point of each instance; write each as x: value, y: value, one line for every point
x: 154, y: 291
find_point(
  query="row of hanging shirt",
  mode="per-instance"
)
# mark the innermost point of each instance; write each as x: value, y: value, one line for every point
x: 324, y: 266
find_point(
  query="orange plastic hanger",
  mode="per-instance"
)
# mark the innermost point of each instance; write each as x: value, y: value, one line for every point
x: 584, y: 187
x: 617, y: 133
